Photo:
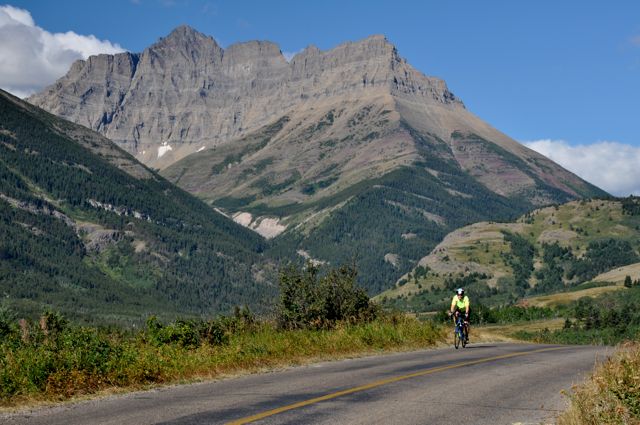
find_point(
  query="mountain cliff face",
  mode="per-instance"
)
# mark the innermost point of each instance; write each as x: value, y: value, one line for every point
x: 185, y: 94
x: 339, y: 154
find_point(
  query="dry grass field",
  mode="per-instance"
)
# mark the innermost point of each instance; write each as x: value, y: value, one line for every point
x: 504, y: 332
x: 567, y: 297
x: 618, y: 275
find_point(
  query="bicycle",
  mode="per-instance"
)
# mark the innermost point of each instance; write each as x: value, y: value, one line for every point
x: 460, y: 332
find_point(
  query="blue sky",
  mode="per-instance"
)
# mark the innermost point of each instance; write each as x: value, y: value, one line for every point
x: 561, y: 75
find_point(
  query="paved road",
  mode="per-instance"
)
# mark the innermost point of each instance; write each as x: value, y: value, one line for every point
x: 482, y: 384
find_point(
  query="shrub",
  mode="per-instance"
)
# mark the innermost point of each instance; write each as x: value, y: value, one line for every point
x: 39, y: 365
x: 311, y: 300
x: 189, y: 333
x: 7, y: 324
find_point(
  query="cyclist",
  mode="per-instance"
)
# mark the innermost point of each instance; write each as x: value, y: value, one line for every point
x: 460, y: 305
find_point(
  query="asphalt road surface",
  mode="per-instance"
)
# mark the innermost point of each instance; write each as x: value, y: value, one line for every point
x: 482, y: 384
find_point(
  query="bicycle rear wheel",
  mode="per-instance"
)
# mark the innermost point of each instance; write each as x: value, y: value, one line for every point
x: 463, y: 337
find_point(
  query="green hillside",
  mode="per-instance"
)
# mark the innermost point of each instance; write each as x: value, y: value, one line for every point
x: 571, y: 247
x: 362, y: 184
x: 88, y: 230
x: 402, y: 214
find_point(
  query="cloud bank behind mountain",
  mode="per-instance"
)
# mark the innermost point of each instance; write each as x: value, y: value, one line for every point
x: 32, y: 58
x: 612, y: 166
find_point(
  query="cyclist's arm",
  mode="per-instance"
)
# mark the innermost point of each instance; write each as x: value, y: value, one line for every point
x: 466, y: 305
x: 453, y: 305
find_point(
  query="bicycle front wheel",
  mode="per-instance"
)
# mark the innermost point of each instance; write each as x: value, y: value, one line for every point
x: 456, y: 339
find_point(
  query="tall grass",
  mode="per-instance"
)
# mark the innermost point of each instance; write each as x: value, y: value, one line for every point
x: 576, y: 336
x: 39, y: 363
x: 612, y: 394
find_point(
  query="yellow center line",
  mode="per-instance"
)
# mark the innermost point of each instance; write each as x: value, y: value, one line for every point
x: 375, y: 384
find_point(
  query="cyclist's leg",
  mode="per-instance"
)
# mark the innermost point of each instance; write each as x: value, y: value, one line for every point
x: 467, y: 325
x: 454, y: 316
x: 458, y: 314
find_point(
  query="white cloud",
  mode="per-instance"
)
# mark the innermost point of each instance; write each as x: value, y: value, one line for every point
x: 32, y: 58
x: 612, y: 166
x: 20, y: 16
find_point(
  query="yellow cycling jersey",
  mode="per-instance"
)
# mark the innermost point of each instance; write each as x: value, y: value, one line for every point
x: 462, y: 304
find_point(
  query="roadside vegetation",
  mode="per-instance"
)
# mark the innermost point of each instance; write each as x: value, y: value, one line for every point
x: 321, y: 315
x: 608, y: 319
x: 611, y: 395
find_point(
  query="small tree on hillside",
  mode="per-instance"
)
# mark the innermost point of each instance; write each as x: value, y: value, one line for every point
x: 310, y: 299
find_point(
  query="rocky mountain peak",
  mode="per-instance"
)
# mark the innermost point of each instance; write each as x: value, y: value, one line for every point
x: 185, y: 93
x: 374, y: 42
x: 184, y: 30
x: 185, y: 41
x: 183, y: 34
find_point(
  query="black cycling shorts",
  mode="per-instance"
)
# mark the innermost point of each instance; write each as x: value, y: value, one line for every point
x: 456, y: 309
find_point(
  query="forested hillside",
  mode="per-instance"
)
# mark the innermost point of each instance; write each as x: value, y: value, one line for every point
x: 86, y: 229
x: 386, y: 224
x: 569, y: 247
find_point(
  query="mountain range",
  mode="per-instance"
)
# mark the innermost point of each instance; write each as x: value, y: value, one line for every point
x: 338, y: 155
